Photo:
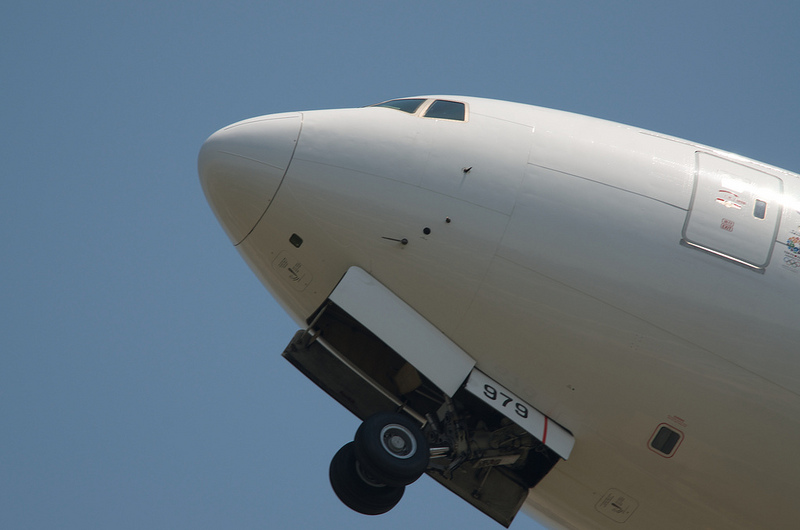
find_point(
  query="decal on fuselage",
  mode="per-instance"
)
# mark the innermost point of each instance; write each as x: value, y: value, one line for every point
x: 791, y: 256
x: 616, y: 505
x: 293, y: 271
x: 730, y: 199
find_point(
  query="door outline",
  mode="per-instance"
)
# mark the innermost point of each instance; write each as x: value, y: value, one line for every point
x: 725, y: 217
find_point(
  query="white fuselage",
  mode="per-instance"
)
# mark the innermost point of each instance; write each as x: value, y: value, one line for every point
x: 614, y: 278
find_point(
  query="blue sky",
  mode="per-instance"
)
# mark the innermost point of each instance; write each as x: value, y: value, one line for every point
x: 141, y: 383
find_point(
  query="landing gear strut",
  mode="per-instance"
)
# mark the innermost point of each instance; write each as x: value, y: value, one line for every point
x: 369, y: 475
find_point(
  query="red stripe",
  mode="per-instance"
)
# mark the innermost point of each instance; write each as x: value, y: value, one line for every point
x: 544, y: 436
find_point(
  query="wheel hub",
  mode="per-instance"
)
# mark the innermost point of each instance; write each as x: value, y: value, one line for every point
x: 398, y: 441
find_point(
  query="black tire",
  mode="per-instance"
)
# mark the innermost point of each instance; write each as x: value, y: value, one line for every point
x: 392, y: 447
x: 356, y: 489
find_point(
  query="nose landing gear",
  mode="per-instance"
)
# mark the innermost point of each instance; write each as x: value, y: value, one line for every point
x: 369, y: 475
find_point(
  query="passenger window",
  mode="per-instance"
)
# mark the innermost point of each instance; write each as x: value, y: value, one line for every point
x: 760, y: 211
x: 406, y: 105
x: 446, y: 110
x: 665, y: 441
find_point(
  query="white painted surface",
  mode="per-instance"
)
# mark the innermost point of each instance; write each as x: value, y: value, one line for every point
x: 240, y: 183
x: 403, y: 329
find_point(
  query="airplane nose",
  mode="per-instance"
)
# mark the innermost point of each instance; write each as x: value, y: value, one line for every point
x: 241, y: 167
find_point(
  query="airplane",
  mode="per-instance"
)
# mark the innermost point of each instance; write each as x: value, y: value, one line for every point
x: 540, y: 310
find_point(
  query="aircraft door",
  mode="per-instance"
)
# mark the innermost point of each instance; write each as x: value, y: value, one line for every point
x: 735, y: 211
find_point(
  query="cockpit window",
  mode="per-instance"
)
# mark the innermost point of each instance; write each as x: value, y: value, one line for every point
x: 406, y: 105
x: 446, y: 110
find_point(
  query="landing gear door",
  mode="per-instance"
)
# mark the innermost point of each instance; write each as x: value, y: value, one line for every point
x: 403, y: 329
x: 512, y: 407
x: 735, y: 211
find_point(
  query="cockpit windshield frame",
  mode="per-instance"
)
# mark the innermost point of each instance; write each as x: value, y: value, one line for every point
x: 430, y: 108
x: 444, y: 109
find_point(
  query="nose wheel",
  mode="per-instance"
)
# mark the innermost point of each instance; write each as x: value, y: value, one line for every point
x: 369, y: 475
x: 357, y: 489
